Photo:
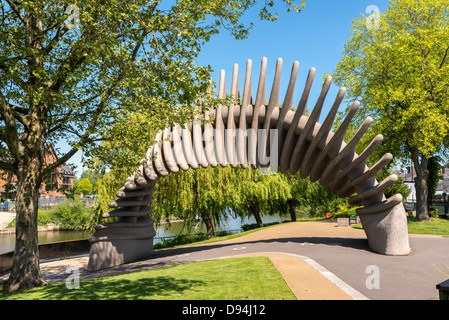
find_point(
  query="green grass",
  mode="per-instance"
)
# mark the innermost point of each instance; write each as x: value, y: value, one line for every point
x: 436, y: 226
x: 251, y: 278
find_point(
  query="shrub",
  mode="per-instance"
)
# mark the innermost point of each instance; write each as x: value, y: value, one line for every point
x: 252, y: 226
x: 180, y: 239
x: 44, y: 217
x: 71, y: 215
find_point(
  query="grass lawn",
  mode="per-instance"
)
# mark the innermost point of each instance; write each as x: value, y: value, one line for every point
x: 436, y: 226
x: 251, y: 278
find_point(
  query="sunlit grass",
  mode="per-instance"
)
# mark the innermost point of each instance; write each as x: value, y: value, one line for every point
x: 436, y: 226
x: 251, y: 278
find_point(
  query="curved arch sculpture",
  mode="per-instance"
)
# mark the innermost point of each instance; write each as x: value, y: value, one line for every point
x: 260, y: 135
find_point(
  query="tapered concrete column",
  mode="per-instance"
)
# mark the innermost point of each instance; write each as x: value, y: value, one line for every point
x: 387, y: 231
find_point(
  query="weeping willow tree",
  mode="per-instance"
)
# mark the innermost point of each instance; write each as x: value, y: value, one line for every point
x: 206, y: 193
x: 213, y: 194
x: 260, y: 194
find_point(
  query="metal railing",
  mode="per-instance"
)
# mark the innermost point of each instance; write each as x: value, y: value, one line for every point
x: 44, y: 203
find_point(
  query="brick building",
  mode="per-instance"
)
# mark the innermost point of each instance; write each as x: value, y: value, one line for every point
x: 60, y: 180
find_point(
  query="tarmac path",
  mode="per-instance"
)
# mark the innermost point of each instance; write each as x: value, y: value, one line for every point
x: 318, y: 260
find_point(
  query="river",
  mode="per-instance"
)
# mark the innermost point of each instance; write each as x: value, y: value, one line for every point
x: 163, y: 231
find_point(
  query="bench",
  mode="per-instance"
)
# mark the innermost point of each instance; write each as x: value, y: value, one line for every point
x: 354, y: 218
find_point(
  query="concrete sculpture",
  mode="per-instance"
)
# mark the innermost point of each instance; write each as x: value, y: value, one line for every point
x: 252, y: 133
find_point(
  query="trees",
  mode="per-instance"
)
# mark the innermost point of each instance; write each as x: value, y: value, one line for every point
x: 398, y: 69
x: 206, y: 193
x: 92, y: 176
x: 260, y: 193
x: 84, y: 186
x: 69, y: 72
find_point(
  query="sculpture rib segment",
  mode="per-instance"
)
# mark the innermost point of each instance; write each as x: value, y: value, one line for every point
x: 304, y: 145
x: 289, y: 144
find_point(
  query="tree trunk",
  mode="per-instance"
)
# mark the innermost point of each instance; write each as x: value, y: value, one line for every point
x: 25, y: 272
x: 422, y: 195
x: 209, y: 224
x: 422, y: 190
x: 256, y: 213
x: 291, y: 208
x: 432, y: 179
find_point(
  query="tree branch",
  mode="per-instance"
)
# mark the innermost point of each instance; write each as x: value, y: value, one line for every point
x: 85, y: 137
x: 11, y: 136
x: 7, y: 166
x: 446, y: 56
x: 17, y: 79
x: 13, y: 5
x: 59, y: 34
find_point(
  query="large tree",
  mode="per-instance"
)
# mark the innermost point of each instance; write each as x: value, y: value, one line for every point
x: 70, y: 69
x: 260, y: 193
x: 397, y: 64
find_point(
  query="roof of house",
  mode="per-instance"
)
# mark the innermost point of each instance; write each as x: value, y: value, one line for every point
x: 66, y: 170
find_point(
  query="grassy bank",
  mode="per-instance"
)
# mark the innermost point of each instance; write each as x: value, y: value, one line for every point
x: 436, y: 226
x: 253, y: 278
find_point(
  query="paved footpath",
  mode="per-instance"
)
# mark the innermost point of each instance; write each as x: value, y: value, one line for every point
x: 318, y: 260
x: 5, y: 219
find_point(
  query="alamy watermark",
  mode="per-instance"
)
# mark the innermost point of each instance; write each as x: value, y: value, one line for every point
x: 73, y: 20
x: 373, y: 20
x: 373, y: 280
x: 73, y: 280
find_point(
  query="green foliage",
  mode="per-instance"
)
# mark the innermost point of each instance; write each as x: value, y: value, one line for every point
x: 70, y: 215
x: 399, y: 72
x: 344, y: 211
x: 97, y: 70
x: 260, y: 193
x: 312, y: 197
x: 253, y: 226
x: 126, y: 70
x: 93, y: 175
x: 189, y: 194
x: 435, y: 167
x: 399, y: 187
x: 44, y: 217
x: 84, y: 186
x: 180, y: 239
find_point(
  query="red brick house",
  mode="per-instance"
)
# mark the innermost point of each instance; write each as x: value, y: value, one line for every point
x: 61, y: 179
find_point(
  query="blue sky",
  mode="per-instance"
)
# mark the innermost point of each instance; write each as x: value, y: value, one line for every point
x: 314, y: 37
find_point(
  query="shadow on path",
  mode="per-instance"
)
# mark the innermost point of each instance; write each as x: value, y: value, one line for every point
x: 172, y: 256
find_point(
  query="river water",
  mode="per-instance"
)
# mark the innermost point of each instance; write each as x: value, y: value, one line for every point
x: 232, y: 225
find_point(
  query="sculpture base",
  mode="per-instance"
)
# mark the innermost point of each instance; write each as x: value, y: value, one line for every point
x: 387, y: 231
x: 107, y: 254
x: 118, y: 243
